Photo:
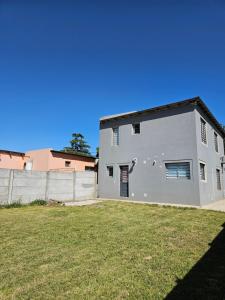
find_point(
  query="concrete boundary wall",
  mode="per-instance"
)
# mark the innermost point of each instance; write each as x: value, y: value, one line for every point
x: 26, y: 186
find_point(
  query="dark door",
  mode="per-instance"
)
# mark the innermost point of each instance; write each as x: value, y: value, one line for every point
x: 124, y: 181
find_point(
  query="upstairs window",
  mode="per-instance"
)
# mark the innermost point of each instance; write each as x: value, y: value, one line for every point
x: 218, y: 180
x: 67, y: 163
x: 202, y: 172
x: 203, y: 131
x: 216, y: 142
x: 136, y: 128
x: 110, y: 171
x: 179, y: 170
x: 115, y: 136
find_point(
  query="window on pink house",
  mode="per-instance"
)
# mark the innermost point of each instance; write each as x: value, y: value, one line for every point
x: 67, y: 163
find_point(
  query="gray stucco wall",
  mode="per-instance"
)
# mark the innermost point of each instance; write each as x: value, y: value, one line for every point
x: 208, y: 155
x: 26, y: 186
x: 166, y: 136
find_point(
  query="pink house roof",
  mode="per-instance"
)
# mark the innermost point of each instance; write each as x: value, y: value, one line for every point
x: 12, y: 152
x: 75, y: 154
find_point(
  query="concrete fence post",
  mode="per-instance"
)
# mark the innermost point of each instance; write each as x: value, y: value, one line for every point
x: 47, y: 186
x: 74, y: 186
x: 96, y: 185
x: 10, y: 188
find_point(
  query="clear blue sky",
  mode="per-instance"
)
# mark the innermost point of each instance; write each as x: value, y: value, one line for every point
x: 64, y: 64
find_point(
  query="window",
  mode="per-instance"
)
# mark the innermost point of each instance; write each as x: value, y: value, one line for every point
x: 218, y: 181
x: 179, y: 170
x: 136, y: 128
x: 110, y: 171
x: 88, y: 168
x: 67, y: 163
x: 216, y: 142
x: 116, y: 136
x: 202, y: 172
x: 203, y: 131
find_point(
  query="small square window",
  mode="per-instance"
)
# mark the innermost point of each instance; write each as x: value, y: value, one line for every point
x: 110, y: 171
x: 67, y: 163
x: 202, y: 172
x: 136, y: 128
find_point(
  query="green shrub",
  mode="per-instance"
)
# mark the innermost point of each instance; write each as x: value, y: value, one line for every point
x: 19, y: 204
x: 12, y: 205
x: 38, y: 202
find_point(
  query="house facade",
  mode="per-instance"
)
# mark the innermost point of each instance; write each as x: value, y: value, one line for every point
x: 168, y: 154
x: 12, y: 159
x: 52, y: 160
x: 46, y: 160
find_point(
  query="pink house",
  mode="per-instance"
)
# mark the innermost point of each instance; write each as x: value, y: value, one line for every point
x: 12, y: 159
x: 52, y: 160
x: 46, y: 160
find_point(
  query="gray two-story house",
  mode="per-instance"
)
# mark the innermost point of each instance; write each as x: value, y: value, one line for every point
x: 168, y: 154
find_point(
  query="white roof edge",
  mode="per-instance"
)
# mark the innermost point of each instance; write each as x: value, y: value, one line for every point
x: 116, y: 115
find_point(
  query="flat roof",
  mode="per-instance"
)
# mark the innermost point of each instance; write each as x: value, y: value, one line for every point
x: 12, y: 152
x: 196, y: 101
x: 75, y: 154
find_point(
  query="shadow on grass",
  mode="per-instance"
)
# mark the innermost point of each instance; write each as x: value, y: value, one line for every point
x: 206, y: 280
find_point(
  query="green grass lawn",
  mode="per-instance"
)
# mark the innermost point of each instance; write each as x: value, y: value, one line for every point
x: 111, y: 250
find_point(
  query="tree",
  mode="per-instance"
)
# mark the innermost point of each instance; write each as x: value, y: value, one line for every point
x: 97, y: 152
x: 78, y: 144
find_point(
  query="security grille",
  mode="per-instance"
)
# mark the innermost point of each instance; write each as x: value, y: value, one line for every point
x: 216, y: 142
x: 116, y: 136
x: 218, y: 179
x: 202, y: 172
x: 124, y: 181
x: 178, y: 170
x: 203, y: 131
